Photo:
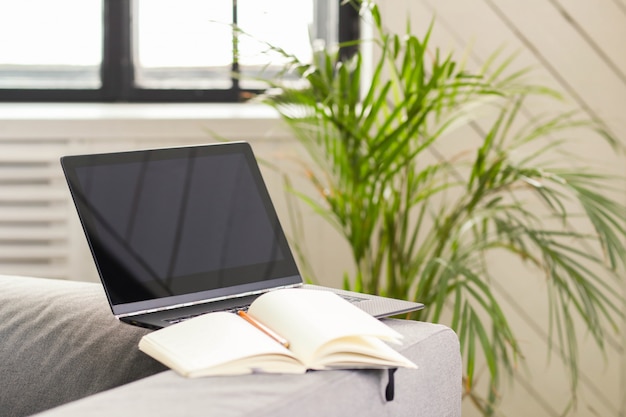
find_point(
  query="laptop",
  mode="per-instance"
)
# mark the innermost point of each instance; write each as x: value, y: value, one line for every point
x: 183, y: 231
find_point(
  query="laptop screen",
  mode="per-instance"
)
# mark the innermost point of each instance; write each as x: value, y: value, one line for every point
x: 179, y: 225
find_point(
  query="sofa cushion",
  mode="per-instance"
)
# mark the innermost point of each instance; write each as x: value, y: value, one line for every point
x: 60, y: 342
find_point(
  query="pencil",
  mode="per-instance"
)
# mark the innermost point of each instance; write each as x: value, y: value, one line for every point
x: 263, y: 328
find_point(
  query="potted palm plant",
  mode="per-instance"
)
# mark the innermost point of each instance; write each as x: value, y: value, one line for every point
x: 422, y: 224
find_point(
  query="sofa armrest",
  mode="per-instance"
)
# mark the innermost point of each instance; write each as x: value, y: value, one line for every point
x: 432, y: 390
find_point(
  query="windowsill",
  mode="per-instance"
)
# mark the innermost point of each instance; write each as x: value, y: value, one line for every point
x: 142, y: 121
x: 134, y: 111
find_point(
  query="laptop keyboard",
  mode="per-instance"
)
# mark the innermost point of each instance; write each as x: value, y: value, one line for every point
x: 244, y: 307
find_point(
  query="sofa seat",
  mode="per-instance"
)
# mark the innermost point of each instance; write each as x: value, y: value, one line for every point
x: 62, y: 353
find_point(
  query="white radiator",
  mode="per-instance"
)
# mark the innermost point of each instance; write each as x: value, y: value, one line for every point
x: 34, y: 205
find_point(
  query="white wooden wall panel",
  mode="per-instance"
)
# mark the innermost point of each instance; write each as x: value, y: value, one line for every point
x: 601, y: 22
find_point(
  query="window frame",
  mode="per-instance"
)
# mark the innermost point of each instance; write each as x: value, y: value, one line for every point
x: 117, y: 73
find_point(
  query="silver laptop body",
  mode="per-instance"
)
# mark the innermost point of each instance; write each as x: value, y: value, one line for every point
x: 183, y: 231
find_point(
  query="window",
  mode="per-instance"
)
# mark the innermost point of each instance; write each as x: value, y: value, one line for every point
x: 39, y: 47
x: 155, y: 50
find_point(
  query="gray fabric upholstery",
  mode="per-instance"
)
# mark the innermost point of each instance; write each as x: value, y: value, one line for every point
x: 433, y: 390
x: 59, y: 343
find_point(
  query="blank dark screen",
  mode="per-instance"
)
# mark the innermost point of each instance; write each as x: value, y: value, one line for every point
x: 174, y: 226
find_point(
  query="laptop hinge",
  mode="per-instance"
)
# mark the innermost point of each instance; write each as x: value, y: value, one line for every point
x: 206, y: 301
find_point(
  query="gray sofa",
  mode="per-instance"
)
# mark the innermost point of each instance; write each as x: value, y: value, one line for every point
x: 62, y: 353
